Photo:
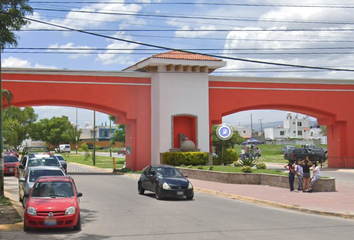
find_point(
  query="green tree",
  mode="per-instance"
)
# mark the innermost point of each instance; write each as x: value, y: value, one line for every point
x: 119, y: 134
x: 324, y: 130
x: 11, y: 18
x: 222, y: 145
x: 17, y: 122
x: 54, y: 131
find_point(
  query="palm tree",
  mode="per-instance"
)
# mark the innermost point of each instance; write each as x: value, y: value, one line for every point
x: 111, y: 119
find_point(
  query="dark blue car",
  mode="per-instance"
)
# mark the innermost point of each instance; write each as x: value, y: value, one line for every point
x: 165, y: 181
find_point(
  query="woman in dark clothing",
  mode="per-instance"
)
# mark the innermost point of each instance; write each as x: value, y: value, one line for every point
x: 291, y: 169
x: 306, y: 165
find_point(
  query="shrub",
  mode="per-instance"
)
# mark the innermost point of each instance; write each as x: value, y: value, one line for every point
x: 200, y: 167
x: 261, y: 166
x: 246, y: 169
x: 248, y: 162
x: 211, y: 168
x: 237, y: 164
x: 185, y: 158
x: 228, y: 157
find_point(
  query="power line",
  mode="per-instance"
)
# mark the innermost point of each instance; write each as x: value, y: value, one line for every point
x: 191, y: 52
x: 201, y: 3
x: 187, y: 17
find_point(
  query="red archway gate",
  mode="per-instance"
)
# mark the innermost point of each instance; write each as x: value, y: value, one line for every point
x: 326, y: 100
x: 176, y: 84
x: 125, y: 96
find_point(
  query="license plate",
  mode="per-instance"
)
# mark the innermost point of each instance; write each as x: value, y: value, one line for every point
x: 180, y: 193
x: 50, y: 222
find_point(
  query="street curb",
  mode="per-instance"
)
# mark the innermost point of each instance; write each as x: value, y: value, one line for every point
x: 267, y: 203
x: 18, y: 207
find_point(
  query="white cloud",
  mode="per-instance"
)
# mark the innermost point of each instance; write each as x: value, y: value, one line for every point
x: 20, y: 63
x: 66, y: 48
x: 112, y: 56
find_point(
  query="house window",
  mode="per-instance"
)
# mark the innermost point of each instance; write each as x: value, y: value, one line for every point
x: 294, y: 131
x: 299, y: 133
x: 105, y: 133
x: 293, y: 122
x: 282, y: 133
x: 311, y: 134
x: 244, y: 131
x: 299, y: 124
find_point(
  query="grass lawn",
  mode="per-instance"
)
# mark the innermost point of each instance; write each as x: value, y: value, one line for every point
x: 101, y: 162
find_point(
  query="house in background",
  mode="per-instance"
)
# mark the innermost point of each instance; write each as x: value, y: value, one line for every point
x: 293, y: 128
x: 102, y: 133
x: 245, y: 132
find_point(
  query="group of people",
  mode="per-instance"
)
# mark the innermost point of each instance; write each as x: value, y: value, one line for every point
x: 251, y: 152
x: 302, y: 170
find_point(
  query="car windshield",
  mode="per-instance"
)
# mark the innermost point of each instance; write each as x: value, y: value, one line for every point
x: 60, y: 157
x: 48, y: 161
x: 10, y: 159
x: 168, y: 173
x: 53, y: 189
x: 34, y: 174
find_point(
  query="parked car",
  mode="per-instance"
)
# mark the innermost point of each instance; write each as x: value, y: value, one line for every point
x: 165, y: 181
x: 315, y: 148
x: 10, y: 164
x: 37, y: 159
x: 301, y: 154
x: 286, y: 149
x: 63, y: 148
x: 122, y: 151
x: 53, y: 203
x: 30, y: 176
x: 62, y: 162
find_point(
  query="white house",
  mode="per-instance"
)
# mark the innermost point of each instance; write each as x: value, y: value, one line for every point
x: 293, y: 128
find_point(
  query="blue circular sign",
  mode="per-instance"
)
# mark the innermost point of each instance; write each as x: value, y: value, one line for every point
x: 224, y: 132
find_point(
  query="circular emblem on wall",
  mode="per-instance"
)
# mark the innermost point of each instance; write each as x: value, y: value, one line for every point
x: 224, y: 132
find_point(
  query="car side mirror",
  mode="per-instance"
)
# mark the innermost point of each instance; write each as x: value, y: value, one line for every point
x: 79, y: 194
x: 26, y: 195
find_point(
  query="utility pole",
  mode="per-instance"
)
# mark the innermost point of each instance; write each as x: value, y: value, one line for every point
x: 110, y: 133
x: 261, y: 125
x: 76, y: 132
x: 251, y: 126
x: 94, y: 138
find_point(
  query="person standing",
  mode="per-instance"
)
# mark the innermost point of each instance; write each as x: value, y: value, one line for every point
x: 316, y: 175
x: 306, y: 165
x: 291, y: 169
x: 299, y: 172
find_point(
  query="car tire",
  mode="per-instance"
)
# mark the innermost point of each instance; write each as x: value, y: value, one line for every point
x: 141, y: 190
x: 190, y: 197
x: 25, y: 227
x: 158, y: 193
x: 77, y: 227
x: 19, y: 197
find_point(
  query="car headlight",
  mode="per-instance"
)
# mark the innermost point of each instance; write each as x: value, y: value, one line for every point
x: 166, y: 186
x: 32, y: 211
x: 70, y: 210
x: 190, y: 186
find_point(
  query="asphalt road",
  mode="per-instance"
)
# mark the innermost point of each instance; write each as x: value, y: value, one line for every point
x: 111, y: 208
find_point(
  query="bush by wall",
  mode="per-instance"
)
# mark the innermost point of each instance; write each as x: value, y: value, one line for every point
x: 229, y: 156
x: 186, y: 158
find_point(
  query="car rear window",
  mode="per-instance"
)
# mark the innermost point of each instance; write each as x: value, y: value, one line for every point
x: 48, y: 161
x: 10, y: 159
x: 34, y: 174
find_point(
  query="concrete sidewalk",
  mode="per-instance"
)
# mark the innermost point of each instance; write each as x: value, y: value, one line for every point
x: 339, y: 203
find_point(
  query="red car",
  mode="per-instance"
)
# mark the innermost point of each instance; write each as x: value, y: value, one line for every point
x: 10, y: 164
x: 122, y: 151
x: 53, y: 203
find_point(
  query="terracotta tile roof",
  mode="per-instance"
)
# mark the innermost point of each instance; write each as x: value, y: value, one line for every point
x: 184, y: 56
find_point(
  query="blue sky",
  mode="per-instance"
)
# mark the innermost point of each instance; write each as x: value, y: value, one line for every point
x: 310, y: 33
